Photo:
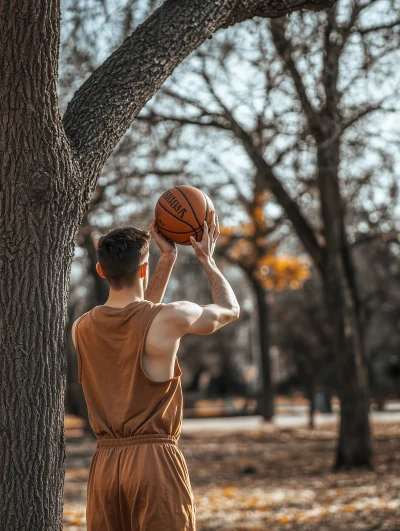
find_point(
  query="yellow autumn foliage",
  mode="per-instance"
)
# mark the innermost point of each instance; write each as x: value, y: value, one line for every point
x: 282, y: 271
x: 276, y: 271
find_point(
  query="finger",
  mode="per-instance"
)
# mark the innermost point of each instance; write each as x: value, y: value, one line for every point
x: 211, y: 230
x: 212, y: 227
x: 194, y: 243
x: 152, y: 224
x: 205, y: 231
x: 216, y: 232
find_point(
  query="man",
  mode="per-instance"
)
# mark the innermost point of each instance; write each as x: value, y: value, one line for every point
x: 130, y: 375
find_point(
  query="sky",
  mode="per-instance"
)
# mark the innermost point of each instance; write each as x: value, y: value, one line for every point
x: 244, y: 88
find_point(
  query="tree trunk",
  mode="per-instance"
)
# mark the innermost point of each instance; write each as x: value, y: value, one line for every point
x: 37, y: 246
x: 333, y: 260
x: 354, y: 445
x: 311, y: 399
x: 327, y: 407
x: 40, y: 210
x: 266, y: 402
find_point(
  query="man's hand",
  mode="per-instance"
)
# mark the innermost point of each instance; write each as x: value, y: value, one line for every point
x: 167, y: 247
x: 205, y: 248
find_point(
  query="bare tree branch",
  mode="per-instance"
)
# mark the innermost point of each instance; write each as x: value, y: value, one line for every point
x: 361, y: 113
x: 365, y: 31
x: 103, y: 108
x: 204, y: 120
x: 346, y: 30
x: 386, y: 237
x: 304, y: 231
x: 330, y: 70
x: 285, y: 50
x: 233, y: 182
x: 273, y: 9
x: 268, y: 177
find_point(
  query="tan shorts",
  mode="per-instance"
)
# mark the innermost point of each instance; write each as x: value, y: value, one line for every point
x: 139, y: 483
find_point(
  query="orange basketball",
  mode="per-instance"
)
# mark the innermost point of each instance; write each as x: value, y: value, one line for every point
x: 181, y: 212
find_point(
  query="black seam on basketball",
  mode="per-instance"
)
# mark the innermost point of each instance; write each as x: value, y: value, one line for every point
x: 184, y: 241
x: 188, y: 202
x: 179, y: 219
x: 177, y: 232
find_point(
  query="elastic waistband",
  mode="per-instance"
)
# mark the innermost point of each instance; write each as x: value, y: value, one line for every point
x: 159, y: 438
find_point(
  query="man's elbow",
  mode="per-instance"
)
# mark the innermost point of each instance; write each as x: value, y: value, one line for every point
x: 232, y: 315
x: 235, y: 312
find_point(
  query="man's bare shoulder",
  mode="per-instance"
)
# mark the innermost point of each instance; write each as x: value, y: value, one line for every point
x: 180, y: 312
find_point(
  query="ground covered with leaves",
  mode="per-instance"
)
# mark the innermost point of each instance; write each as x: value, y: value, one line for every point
x: 271, y: 479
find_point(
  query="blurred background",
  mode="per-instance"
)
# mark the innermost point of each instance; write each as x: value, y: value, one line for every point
x: 272, y: 119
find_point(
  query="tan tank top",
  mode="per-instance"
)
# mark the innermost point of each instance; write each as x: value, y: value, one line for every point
x: 122, y: 400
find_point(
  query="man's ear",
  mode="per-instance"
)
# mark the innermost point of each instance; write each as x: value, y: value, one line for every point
x: 99, y: 270
x: 143, y: 269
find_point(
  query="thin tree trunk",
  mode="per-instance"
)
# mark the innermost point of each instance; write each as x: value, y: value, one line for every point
x: 327, y: 408
x: 354, y: 445
x: 311, y: 399
x: 266, y: 402
x: 344, y: 309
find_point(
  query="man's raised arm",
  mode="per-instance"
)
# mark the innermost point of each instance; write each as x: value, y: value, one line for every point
x: 159, y: 280
x: 190, y: 318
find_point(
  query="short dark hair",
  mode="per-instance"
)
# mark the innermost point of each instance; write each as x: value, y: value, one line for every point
x: 120, y: 252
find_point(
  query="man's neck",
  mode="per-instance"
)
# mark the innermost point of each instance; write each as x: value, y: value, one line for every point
x: 120, y: 299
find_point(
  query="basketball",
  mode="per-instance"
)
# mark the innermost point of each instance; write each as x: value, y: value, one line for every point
x: 181, y: 212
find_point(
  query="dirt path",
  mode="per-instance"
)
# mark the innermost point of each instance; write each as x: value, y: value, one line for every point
x: 271, y: 479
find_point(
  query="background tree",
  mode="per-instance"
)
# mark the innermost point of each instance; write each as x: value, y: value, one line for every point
x: 308, y: 136
x: 327, y: 120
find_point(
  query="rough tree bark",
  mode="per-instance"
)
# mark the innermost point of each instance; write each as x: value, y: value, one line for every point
x: 39, y: 210
x: 48, y: 171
